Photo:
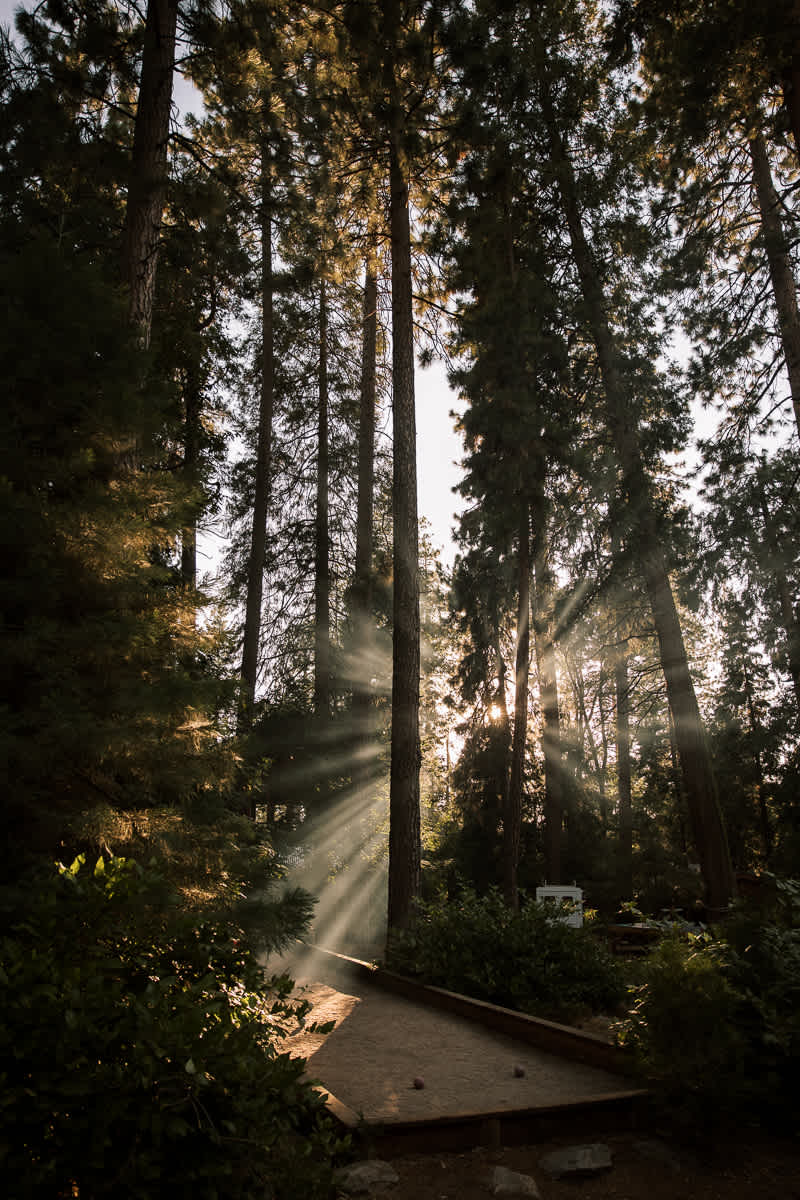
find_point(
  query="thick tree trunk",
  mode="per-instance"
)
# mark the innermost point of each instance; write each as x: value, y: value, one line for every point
x: 404, y: 822
x: 624, y: 811
x: 147, y: 189
x: 551, y: 718
x: 322, y: 569
x: 361, y: 609
x: 496, y: 794
x: 512, y: 816
x: 781, y: 274
x: 258, y: 539
x: 708, y: 826
x: 192, y: 409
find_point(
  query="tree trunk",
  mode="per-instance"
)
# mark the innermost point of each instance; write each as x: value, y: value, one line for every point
x: 147, y: 189
x: 258, y: 539
x: 361, y: 609
x: 551, y: 720
x: 322, y: 570
x: 496, y: 794
x: 404, y: 822
x: 708, y: 826
x: 192, y: 409
x: 781, y: 274
x: 512, y: 816
x: 624, y: 811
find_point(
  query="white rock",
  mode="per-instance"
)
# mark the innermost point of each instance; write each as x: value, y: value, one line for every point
x: 361, y: 1178
x: 577, y: 1160
x: 510, y: 1185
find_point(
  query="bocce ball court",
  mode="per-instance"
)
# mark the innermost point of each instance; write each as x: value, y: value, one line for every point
x: 409, y: 1067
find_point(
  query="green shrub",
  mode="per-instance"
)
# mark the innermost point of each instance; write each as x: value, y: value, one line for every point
x: 141, y: 1054
x: 524, y: 960
x: 715, y: 1022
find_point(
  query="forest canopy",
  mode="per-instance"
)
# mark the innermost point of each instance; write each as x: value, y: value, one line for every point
x: 210, y: 330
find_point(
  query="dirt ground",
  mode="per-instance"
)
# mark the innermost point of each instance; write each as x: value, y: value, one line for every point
x: 644, y: 1168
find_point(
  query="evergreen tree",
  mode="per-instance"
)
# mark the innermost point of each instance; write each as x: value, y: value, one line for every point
x: 109, y: 689
x: 545, y: 42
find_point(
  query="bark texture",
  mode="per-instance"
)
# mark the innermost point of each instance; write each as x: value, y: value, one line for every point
x: 258, y: 538
x: 361, y: 607
x: 192, y: 409
x: 512, y: 816
x: 551, y: 720
x: 322, y: 568
x: 147, y: 189
x: 624, y: 811
x: 404, y: 823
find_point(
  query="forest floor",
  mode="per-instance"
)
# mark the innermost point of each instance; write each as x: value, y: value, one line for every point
x: 750, y: 1167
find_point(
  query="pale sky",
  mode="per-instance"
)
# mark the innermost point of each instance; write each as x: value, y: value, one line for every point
x: 438, y: 453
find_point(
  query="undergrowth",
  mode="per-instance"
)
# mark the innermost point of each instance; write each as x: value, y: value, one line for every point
x: 528, y: 960
x: 142, y: 1053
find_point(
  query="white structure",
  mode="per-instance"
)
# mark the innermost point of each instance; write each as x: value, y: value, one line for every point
x: 556, y: 895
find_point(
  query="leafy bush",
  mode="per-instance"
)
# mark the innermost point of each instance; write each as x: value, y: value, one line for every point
x: 525, y: 960
x: 141, y: 1053
x: 715, y: 1023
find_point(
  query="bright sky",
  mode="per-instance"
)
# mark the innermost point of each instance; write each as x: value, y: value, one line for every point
x: 438, y: 454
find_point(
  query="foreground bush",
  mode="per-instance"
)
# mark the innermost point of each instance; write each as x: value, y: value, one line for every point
x: 525, y: 960
x: 141, y: 1055
x: 715, y: 1022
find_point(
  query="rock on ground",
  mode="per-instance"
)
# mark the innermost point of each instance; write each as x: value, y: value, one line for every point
x: 362, y: 1178
x: 511, y: 1185
x: 589, y: 1159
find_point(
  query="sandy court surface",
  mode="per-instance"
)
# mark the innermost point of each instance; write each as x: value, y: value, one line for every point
x: 381, y: 1042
